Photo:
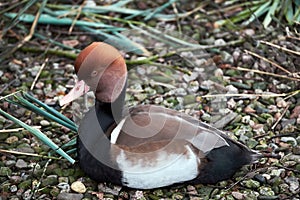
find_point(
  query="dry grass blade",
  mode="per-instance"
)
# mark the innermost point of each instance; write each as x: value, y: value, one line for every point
x: 16, y: 129
x: 267, y: 60
x: 27, y: 154
x: 265, y: 73
x: 38, y: 74
x: 279, y: 47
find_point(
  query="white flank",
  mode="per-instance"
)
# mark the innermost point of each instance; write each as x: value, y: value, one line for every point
x: 166, y: 169
x: 116, y: 132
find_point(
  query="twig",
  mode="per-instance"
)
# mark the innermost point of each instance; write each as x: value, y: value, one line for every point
x: 66, y: 54
x: 243, y: 95
x: 16, y: 129
x: 267, y: 60
x: 28, y: 154
x: 265, y: 73
x: 292, y: 94
x: 39, y: 73
x: 281, y: 48
x: 4, y: 97
x: 280, y: 117
x: 6, y: 85
x: 40, y: 181
x: 76, y: 17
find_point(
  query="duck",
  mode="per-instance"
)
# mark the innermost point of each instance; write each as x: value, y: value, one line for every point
x: 145, y: 146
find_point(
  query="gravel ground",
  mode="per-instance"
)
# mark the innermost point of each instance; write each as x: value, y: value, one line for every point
x: 259, y: 106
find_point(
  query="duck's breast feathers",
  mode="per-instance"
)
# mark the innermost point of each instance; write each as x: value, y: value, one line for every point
x: 148, y: 123
x: 157, y: 164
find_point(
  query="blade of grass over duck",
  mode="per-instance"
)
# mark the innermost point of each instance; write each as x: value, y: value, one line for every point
x: 70, y: 143
x: 48, y: 19
x: 117, y: 41
x: 44, y: 113
x: 160, y: 36
x: 159, y: 9
x: 39, y: 135
x: 259, y: 12
x: 49, y: 109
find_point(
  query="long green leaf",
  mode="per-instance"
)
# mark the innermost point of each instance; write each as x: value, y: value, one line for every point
x: 48, y: 19
x: 49, y: 109
x: 259, y: 12
x: 44, y: 113
x: 271, y: 13
x: 39, y: 135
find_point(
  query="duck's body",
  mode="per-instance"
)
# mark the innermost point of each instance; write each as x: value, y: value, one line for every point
x: 149, y: 146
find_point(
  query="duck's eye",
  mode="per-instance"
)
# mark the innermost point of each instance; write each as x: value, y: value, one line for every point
x: 94, y: 73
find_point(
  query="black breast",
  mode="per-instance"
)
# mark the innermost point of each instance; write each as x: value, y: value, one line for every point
x: 94, y: 149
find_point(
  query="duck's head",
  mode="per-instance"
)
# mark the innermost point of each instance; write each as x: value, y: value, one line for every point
x: 100, y: 68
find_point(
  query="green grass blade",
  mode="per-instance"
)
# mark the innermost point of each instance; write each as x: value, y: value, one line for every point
x: 49, y: 109
x: 271, y: 13
x: 288, y: 11
x: 70, y: 143
x: 259, y: 12
x: 39, y: 135
x: 44, y: 113
x: 159, y: 9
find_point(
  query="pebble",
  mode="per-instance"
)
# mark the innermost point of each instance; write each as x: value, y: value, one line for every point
x: 266, y: 191
x: 290, y: 140
x: 21, y: 164
x: 65, y: 187
x: 44, y: 123
x: 277, y: 172
x: 238, y: 195
x: 294, y: 184
x: 13, y: 188
x: 188, y: 78
x: 11, y: 139
x: 78, y: 186
x: 68, y: 196
x: 251, y: 183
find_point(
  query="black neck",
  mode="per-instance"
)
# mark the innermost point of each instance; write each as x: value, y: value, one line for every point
x: 109, y: 113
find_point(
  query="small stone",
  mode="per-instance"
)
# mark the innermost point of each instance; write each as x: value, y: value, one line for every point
x: 78, y: 186
x: 44, y: 123
x: 21, y: 164
x: 49, y: 180
x: 266, y: 191
x: 281, y: 103
x: 13, y: 188
x: 246, y: 119
x: 277, y: 172
x: 218, y: 72
x: 188, y: 78
x: 65, y: 187
x: 39, y: 85
x: 68, y: 196
x: 260, y: 178
x: 294, y: 184
x: 249, y: 32
x: 63, y: 179
x: 251, y: 183
x: 238, y: 195
x: 11, y: 139
x: 290, y: 140
x: 220, y: 42
x: 27, y: 194
x: 231, y: 89
x: 231, y: 103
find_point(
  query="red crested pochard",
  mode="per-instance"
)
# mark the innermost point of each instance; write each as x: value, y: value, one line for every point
x: 145, y: 146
